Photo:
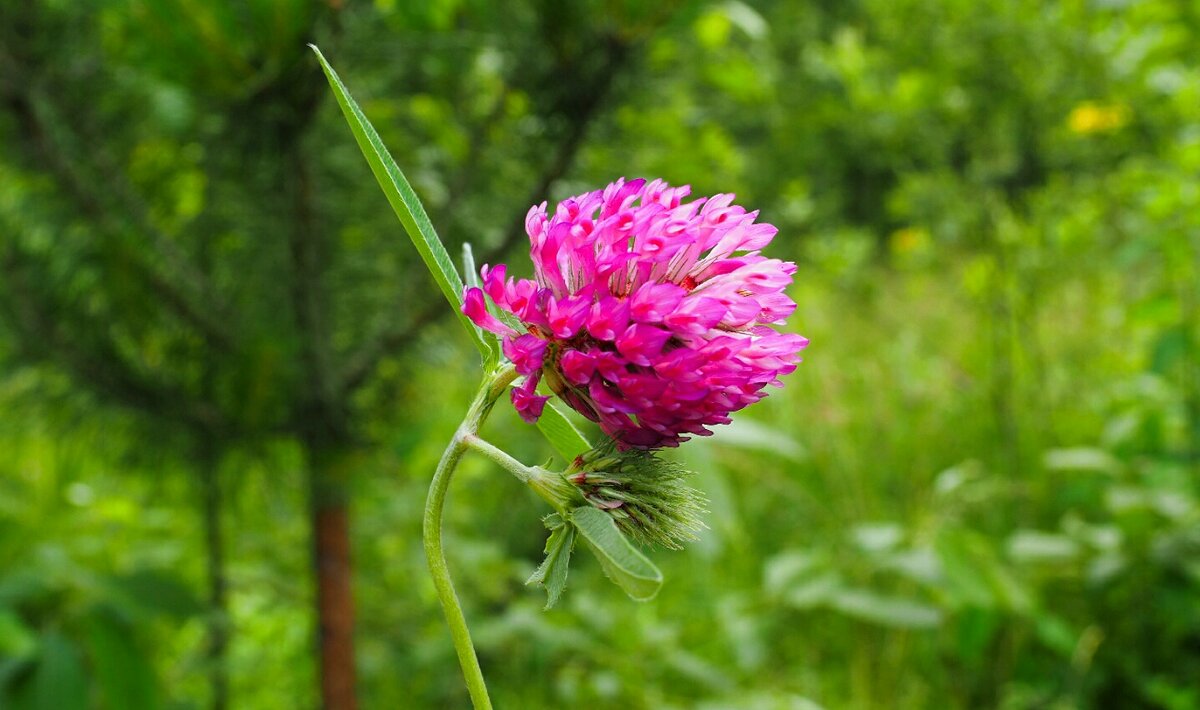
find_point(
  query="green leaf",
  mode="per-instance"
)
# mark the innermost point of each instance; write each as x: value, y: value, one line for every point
x: 59, y: 680
x: 1056, y: 634
x: 623, y: 564
x: 122, y: 670
x: 15, y: 690
x: 961, y: 557
x: 975, y: 629
x: 975, y: 576
x: 1037, y: 547
x: 552, y: 573
x: 1081, y: 459
x: 801, y: 579
x: 754, y: 436
x: 157, y: 592
x: 887, y: 611
x: 783, y: 569
x: 16, y: 640
x: 814, y: 591
x: 568, y: 441
x: 404, y: 201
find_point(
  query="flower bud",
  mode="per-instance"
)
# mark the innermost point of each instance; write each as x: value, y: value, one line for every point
x: 646, y: 496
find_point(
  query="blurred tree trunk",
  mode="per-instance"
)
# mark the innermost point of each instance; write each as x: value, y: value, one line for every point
x: 333, y: 575
x: 321, y: 419
x: 211, y: 446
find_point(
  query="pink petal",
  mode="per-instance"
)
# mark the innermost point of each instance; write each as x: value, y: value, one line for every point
x: 696, y: 315
x: 577, y: 367
x: 608, y: 317
x: 566, y: 317
x: 528, y: 404
x: 640, y: 342
x: 475, y: 308
x: 494, y: 284
x: 527, y: 352
x: 653, y: 302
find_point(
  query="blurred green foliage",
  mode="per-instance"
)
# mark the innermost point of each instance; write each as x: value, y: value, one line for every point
x: 981, y: 488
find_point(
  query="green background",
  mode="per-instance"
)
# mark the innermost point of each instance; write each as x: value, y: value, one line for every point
x: 979, y: 490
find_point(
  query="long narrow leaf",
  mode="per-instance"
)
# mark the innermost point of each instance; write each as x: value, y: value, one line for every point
x: 404, y: 201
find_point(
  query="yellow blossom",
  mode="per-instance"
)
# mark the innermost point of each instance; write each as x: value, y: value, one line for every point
x: 1091, y: 117
x: 910, y: 240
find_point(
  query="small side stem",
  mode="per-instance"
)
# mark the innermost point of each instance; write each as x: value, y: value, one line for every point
x: 490, y: 390
x: 550, y: 486
x: 501, y: 458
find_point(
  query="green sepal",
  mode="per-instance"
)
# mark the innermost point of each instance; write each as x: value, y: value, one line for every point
x: 647, y: 496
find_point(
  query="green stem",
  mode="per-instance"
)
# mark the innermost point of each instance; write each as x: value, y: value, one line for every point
x: 489, y: 391
x: 523, y: 473
x: 549, y: 485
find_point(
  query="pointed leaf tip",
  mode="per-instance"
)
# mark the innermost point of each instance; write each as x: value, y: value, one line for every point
x: 404, y: 201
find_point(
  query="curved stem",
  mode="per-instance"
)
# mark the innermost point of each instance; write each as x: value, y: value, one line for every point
x: 441, y: 576
x: 490, y: 390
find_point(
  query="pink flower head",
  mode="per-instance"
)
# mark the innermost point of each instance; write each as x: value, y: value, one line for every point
x: 649, y: 315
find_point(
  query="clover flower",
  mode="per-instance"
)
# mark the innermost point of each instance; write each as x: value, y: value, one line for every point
x: 650, y: 316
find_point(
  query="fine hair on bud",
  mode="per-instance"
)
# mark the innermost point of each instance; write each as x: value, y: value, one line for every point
x: 648, y: 497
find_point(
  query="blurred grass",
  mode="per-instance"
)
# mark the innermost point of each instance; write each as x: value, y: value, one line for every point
x: 844, y: 485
